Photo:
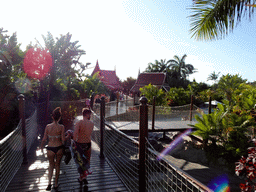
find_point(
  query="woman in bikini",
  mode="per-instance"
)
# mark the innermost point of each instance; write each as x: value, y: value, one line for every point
x: 54, y: 132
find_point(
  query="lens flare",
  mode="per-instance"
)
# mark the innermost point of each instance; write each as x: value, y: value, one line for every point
x: 220, y: 184
x: 23, y: 85
x: 173, y: 144
x: 37, y: 63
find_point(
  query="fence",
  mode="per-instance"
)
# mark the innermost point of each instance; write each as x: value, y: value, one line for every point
x: 115, y: 108
x: 123, y: 153
x: 163, y: 176
x: 162, y: 113
x: 11, y: 150
x: 31, y: 130
x: 120, y: 150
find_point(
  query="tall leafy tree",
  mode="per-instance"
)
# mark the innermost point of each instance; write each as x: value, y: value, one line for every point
x: 128, y: 84
x: 11, y: 56
x: 66, y: 55
x: 10, y: 70
x: 179, y: 66
x: 215, y: 19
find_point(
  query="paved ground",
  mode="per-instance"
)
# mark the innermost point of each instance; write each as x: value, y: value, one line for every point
x: 202, y: 173
x: 187, y: 160
x: 130, y: 125
x: 205, y: 174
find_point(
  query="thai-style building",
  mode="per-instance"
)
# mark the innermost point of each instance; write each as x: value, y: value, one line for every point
x: 108, y: 77
x: 157, y: 79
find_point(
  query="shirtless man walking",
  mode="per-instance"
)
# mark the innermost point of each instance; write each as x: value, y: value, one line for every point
x: 82, y: 136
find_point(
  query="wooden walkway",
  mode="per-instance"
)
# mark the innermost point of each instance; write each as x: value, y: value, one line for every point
x: 34, y: 175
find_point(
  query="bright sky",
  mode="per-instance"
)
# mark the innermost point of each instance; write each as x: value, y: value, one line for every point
x: 129, y: 34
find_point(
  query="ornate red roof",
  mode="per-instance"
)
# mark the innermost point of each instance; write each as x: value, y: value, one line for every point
x: 107, y: 77
x: 96, y: 69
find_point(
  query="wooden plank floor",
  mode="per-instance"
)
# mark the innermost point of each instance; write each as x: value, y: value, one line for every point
x: 33, y: 176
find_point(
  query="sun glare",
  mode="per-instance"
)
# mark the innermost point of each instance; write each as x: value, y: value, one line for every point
x: 37, y: 63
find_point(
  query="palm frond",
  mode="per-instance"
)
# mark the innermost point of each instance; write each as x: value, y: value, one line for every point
x: 214, y: 19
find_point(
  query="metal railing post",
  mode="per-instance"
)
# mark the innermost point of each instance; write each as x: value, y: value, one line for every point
x: 143, y: 134
x: 102, y: 125
x: 21, y: 99
x: 191, y: 107
x: 153, y: 113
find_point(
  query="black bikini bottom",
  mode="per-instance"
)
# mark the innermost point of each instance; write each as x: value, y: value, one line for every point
x: 55, y: 149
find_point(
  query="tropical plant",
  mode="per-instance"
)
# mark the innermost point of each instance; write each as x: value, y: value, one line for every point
x: 206, y: 94
x: 158, y: 66
x: 194, y: 87
x: 213, y: 76
x: 245, y: 98
x: 11, y: 58
x: 178, y: 65
x: 178, y: 96
x: 225, y: 133
x: 211, y: 126
x: 66, y: 55
x: 237, y: 139
x: 149, y: 91
x: 229, y: 84
x: 214, y: 19
x: 92, y: 84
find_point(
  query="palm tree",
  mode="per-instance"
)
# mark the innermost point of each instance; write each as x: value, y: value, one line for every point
x: 213, y: 76
x: 214, y: 19
x: 158, y: 66
x: 179, y: 66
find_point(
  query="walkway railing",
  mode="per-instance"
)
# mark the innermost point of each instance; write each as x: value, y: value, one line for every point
x: 123, y: 153
x: 114, y: 108
x: 11, y: 150
x: 121, y: 150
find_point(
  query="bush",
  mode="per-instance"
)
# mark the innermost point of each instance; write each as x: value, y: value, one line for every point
x: 150, y: 91
x: 178, y: 97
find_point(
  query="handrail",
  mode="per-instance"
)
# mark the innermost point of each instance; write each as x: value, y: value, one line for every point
x: 124, y: 147
x: 180, y: 171
x: 164, y: 165
x: 11, y: 155
x: 123, y: 134
x: 10, y: 134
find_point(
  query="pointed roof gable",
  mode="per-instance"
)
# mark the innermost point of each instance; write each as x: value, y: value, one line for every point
x: 157, y: 79
x: 108, y: 77
x: 96, y: 69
